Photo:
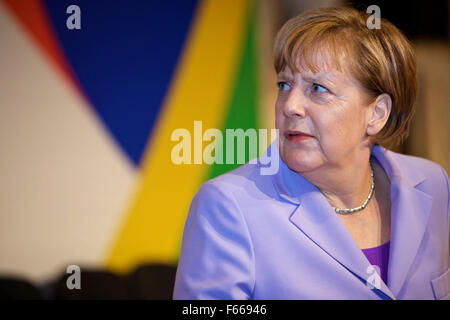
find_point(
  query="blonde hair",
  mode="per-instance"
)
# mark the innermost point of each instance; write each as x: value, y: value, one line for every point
x: 381, y: 60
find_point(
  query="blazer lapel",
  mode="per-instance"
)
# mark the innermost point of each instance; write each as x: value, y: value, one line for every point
x: 315, y: 217
x: 410, y: 210
x: 317, y: 220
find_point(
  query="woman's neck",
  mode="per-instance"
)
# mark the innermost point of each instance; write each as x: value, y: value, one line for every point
x: 346, y: 184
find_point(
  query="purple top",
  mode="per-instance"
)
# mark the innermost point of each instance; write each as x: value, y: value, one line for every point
x: 379, y: 256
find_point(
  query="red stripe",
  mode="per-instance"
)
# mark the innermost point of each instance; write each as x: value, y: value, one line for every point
x: 34, y: 18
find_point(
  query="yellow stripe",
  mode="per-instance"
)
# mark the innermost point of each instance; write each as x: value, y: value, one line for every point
x: 266, y: 24
x: 200, y: 91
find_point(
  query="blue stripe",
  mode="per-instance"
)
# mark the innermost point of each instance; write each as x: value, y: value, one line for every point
x: 124, y: 56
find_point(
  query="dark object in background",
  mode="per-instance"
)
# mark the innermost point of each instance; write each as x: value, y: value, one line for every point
x: 152, y: 282
x: 95, y: 285
x: 417, y: 18
x: 12, y: 288
x: 146, y: 282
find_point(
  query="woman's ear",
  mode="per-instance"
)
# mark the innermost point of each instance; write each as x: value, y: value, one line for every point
x: 380, y: 111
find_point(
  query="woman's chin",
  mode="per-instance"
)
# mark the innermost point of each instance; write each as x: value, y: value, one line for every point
x: 300, y: 162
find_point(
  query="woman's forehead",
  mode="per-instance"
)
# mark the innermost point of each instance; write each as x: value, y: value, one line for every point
x: 325, y: 57
x: 322, y: 70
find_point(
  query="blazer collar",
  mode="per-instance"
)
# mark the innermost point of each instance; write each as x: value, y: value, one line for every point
x: 315, y: 217
x: 410, y: 210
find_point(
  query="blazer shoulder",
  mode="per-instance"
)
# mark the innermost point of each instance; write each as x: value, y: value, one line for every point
x: 436, y: 180
x: 431, y: 170
x: 240, y: 181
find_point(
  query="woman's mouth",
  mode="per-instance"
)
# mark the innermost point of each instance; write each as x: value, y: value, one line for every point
x: 296, y: 136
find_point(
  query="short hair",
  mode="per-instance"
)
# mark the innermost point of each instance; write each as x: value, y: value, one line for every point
x: 381, y: 60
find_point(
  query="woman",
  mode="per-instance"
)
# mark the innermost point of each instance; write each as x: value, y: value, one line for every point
x: 343, y: 218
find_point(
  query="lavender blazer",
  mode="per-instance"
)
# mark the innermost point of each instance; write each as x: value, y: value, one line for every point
x: 253, y: 236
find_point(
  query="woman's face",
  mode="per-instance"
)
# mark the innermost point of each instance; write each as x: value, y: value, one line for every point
x: 322, y: 118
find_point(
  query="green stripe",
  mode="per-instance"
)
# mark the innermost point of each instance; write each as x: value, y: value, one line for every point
x: 243, y: 109
x: 243, y: 106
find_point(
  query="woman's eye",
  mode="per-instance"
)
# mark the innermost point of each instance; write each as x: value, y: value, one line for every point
x: 283, y: 86
x: 319, y: 88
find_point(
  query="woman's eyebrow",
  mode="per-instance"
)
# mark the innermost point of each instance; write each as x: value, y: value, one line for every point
x: 285, y: 76
x: 319, y: 78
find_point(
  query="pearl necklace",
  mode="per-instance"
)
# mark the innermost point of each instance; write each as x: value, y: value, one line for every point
x: 351, y: 210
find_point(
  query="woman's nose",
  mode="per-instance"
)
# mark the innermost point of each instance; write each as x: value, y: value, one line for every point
x: 294, y: 104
